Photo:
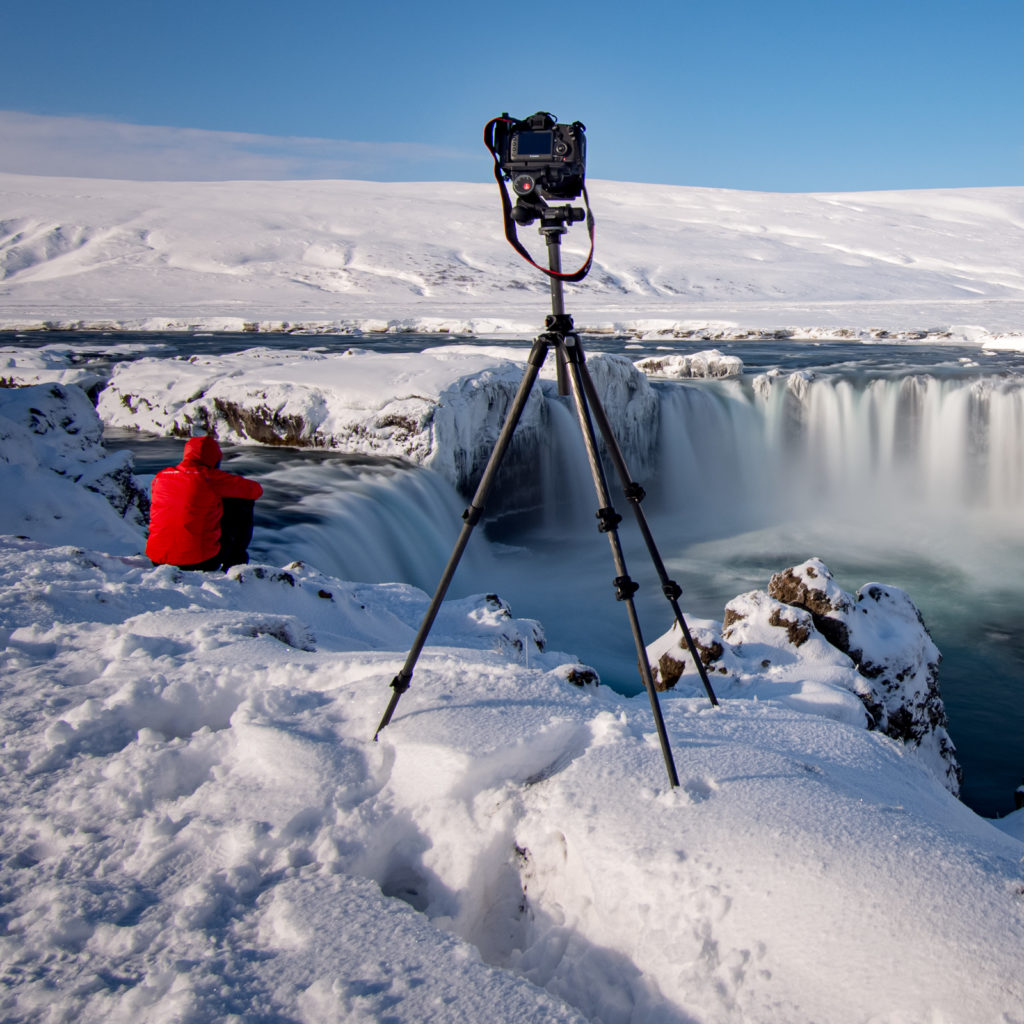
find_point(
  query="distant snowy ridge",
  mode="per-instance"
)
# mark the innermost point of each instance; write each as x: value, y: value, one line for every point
x: 351, y: 255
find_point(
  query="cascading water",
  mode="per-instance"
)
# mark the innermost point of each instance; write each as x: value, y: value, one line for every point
x: 713, y: 466
x: 375, y: 521
x: 915, y: 442
x: 915, y: 480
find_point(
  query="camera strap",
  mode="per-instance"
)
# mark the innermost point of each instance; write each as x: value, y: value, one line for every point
x: 510, y: 225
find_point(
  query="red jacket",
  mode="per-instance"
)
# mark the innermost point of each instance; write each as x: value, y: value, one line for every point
x: 184, y: 521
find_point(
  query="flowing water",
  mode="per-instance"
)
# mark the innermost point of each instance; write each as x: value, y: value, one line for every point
x: 900, y: 464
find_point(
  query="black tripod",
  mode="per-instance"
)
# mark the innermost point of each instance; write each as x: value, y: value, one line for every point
x: 572, y: 375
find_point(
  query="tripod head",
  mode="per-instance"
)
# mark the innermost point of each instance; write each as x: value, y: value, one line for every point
x: 532, y: 207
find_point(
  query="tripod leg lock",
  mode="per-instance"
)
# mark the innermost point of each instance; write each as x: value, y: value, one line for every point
x: 607, y: 519
x: 672, y: 590
x: 625, y: 588
x: 634, y: 492
x: 401, y: 682
x: 472, y: 515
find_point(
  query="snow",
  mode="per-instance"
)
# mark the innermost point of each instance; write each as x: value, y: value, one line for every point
x: 441, y: 408
x: 197, y: 824
x: 711, y: 363
x: 368, y: 256
x: 54, y: 467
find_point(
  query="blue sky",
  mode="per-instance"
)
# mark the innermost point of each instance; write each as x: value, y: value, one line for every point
x: 790, y: 96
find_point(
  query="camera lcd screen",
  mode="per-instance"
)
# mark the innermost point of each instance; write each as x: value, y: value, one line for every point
x: 525, y: 144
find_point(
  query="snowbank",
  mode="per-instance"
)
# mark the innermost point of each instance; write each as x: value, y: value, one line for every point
x: 49, y: 363
x: 57, y: 478
x: 198, y: 823
x: 441, y: 408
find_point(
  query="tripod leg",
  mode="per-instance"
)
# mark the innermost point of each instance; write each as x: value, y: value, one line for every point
x: 471, y: 517
x: 625, y: 588
x: 635, y: 494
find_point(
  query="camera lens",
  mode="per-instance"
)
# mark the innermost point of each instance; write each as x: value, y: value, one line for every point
x: 523, y: 184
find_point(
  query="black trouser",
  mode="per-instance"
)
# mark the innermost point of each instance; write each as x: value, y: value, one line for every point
x: 235, y: 534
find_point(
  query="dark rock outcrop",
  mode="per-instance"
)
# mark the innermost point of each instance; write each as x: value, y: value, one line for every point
x: 806, y: 638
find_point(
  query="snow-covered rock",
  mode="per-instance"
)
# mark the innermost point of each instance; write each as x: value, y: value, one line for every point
x: 883, y: 632
x: 54, y: 469
x: 711, y: 363
x: 442, y: 408
x: 795, y: 383
x: 49, y: 363
x: 866, y: 659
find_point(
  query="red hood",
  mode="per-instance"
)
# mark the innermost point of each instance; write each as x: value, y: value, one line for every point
x: 202, y: 450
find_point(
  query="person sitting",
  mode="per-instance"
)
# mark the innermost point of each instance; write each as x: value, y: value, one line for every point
x: 201, y: 516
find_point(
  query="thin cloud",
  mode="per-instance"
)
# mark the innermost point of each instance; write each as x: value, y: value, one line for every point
x: 92, y: 148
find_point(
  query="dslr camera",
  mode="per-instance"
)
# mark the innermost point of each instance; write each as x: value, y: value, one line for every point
x: 541, y: 157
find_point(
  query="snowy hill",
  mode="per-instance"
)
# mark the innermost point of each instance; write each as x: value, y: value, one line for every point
x: 364, y: 254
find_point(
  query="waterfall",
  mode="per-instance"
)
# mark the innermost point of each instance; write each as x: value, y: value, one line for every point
x: 889, y: 447
x: 378, y: 521
x: 713, y: 456
x: 923, y: 456
x: 914, y: 446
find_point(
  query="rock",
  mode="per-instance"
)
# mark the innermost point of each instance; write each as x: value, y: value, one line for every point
x: 668, y: 665
x: 711, y: 363
x: 883, y: 632
x: 866, y: 659
x: 812, y: 587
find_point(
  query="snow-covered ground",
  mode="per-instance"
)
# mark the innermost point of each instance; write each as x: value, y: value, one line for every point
x: 197, y: 824
x: 365, y: 255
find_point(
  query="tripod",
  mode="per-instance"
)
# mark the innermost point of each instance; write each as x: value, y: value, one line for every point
x: 573, y: 376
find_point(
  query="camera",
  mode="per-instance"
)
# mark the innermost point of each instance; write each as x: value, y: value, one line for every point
x: 540, y: 156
